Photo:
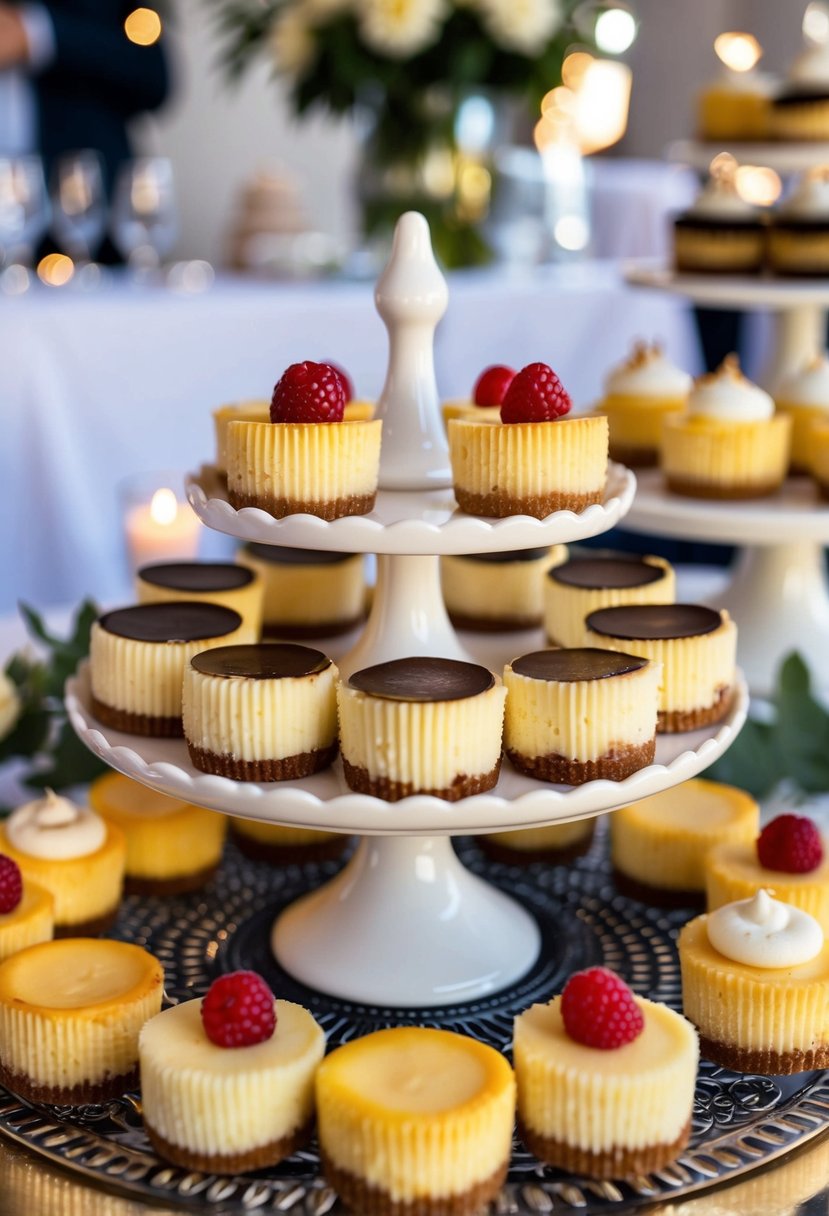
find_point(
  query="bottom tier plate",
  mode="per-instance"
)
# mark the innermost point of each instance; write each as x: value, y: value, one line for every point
x: 740, y: 1121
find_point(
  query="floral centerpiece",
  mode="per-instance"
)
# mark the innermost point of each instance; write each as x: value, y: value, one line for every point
x: 406, y: 67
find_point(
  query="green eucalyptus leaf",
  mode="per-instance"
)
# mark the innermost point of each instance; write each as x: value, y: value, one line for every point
x: 69, y: 763
x: 753, y: 762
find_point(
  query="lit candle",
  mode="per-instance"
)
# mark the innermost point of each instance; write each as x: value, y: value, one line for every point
x: 161, y: 529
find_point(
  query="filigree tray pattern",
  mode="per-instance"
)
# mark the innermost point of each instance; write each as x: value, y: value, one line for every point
x: 740, y: 1122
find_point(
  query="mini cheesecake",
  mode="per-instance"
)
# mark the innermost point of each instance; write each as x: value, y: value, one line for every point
x: 801, y: 112
x: 617, y: 1113
x: 804, y: 396
x: 228, y: 1109
x: 721, y: 233
x: 327, y: 469
x: 172, y: 846
x: 137, y: 658
x: 260, y: 713
x: 695, y: 647
x: 31, y: 921
x: 528, y: 468
x: 555, y: 845
x: 415, y: 1120
x: 421, y: 726
x: 280, y: 846
x: 308, y: 593
x: 575, y: 588
x: 659, y: 845
x: 580, y: 715
x: 488, y: 592
x: 733, y: 871
x: 224, y: 583
x: 638, y: 396
x: 70, y: 1015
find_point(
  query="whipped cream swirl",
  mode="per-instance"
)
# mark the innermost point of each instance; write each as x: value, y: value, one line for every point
x: 728, y: 396
x: 809, y: 386
x: 719, y: 200
x: 647, y: 372
x: 810, y: 198
x: 764, y: 932
x: 811, y: 67
x: 55, y: 829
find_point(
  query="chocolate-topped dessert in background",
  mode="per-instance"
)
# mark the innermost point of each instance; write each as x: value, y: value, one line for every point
x: 800, y: 111
x: 137, y: 657
x: 490, y: 592
x: 224, y: 583
x: 720, y: 233
x: 307, y: 592
x: 556, y: 845
x: 696, y: 647
x: 421, y: 725
x: 260, y: 713
x: 581, y: 714
x: 590, y: 581
x: 799, y: 229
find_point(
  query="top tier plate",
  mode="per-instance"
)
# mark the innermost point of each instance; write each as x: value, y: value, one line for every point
x: 731, y: 290
x: 411, y: 521
x: 782, y: 156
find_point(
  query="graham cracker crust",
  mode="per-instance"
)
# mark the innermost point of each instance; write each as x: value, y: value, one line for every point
x: 368, y: 1200
x: 637, y: 458
x: 73, y: 1095
x: 231, y: 1163
x: 463, y: 786
x: 765, y: 1061
x: 525, y: 857
x: 614, y: 765
x: 720, y: 490
x: 619, y: 1162
x: 272, y: 631
x: 289, y: 854
x: 498, y: 505
x: 657, y: 897
x: 137, y: 724
x: 335, y: 508
x: 89, y: 928
x: 675, y: 721
x: 177, y: 884
x: 287, y: 769
x: 491, y: 624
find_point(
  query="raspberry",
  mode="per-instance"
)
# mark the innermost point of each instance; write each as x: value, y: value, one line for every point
x: 238, y: 1010
x: 308, y: 392
x: 492, y: 383
x: 535, y: 395
x: 791, y: 844
x: 345, y: 380
x: 598, y: 1009
x: 11, y: 884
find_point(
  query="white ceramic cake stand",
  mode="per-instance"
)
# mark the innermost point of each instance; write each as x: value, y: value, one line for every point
x: 798, y: 308
x: 781, y: 156
x: 405, y: 924
x: 779, y: 595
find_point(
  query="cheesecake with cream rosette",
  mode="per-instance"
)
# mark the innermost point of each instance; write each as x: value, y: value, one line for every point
x: 227, y: 1082
x: 27, y: 911
x: 721, y: 233
x: 638, y: 395
x: 70, y: 1015
x: 582, y: 714
x: 489, y: 592
x: 800, y: 111
x: 307, y: 592
x: 225, y: 583
x: 804, y: 397
x: 755, y: 983
x: 730, y: 443
x: 798, y: 242
x: 605, y: 1079
x: 415, y: 1120
x: 73, y: 854
x: 694, y: 646
x: 587, y: 582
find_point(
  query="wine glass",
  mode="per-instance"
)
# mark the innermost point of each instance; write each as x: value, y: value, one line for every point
x: 78, y: 205
x: 144, y: 219
x: 24, y: 214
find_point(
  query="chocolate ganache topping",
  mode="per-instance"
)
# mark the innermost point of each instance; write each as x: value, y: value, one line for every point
x: 593, y: 573
x: 197, y: 576
x: 646, y: 622
x: 567, y: 666
x: 182, y: 621
x: 510, y: 555
x: 281, y: 555
x: 423, y: 679
x: 266, y: 661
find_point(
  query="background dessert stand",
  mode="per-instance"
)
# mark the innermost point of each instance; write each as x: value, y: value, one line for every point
x: 783, y: 156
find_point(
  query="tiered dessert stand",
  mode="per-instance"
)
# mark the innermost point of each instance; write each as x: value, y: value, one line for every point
x: 779, y: 595
x: 783, y: 156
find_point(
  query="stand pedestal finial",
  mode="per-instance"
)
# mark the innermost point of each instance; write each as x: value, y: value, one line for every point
x: 411, y: 297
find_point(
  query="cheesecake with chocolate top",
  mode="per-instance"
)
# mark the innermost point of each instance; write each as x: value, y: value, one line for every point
x: 694, y: 646
x: 421, y: 726
x: 489, y: 592
x: 137, y: 658
x: 580, y: 715
x: 586, y: 583
x: 307, y: 592
x: 260, y: 713
x: 223, y: 583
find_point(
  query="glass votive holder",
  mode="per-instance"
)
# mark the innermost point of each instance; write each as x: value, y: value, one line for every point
x: 159, y: 523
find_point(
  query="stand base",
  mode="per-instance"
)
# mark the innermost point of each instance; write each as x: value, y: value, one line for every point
x: 405, y: 924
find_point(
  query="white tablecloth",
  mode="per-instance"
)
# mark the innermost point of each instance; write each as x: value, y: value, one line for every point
x: 95, y: 387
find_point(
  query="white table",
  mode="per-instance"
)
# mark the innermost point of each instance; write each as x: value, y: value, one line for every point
x: 94, y: 387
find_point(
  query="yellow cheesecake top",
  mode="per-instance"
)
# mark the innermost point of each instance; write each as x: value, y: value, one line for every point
x: 741, y: 861
x: 118, y: 797
x: 694, y: 942
x: 415, y: 1072
x: 665, y: 1035
x: 79, y: 974
x: 358, y: 411
x: 34, y: 898
x: 697, y: 806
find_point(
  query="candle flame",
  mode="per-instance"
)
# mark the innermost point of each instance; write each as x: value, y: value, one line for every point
x: 163, y: 507
x: 740, y: 52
